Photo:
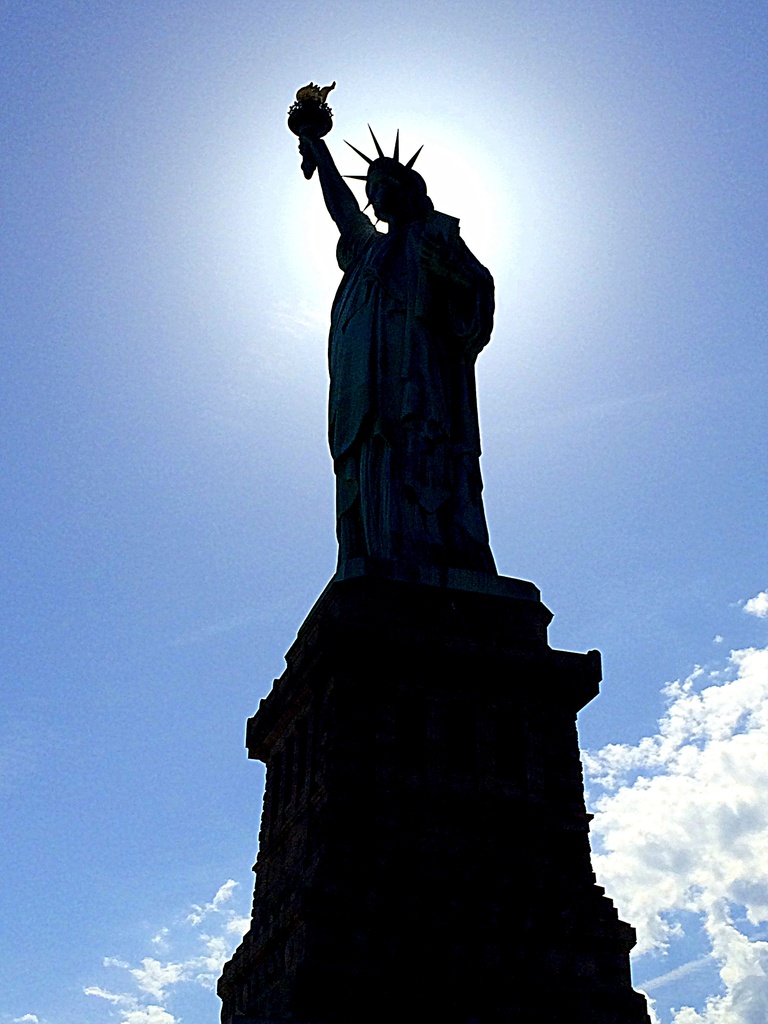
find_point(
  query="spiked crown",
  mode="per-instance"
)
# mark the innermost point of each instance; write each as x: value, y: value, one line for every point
x: 395, y: 158
x: 391, y: 167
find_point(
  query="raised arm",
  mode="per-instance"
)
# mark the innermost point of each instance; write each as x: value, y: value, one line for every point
x: 338, y: 196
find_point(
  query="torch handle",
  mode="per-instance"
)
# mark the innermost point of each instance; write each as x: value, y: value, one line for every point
x: 308, y: 165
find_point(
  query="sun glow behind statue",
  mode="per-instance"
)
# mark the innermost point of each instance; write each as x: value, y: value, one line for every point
x: 170, y: 275
x: 461, y: 181
x: 259, y: 246
x: 540, y: 226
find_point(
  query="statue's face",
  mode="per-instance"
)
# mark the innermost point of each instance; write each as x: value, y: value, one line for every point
x: 386, y: 196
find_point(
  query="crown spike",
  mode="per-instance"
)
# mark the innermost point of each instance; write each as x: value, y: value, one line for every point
x: 366, y: 158
x: 396, y: 154
x: 379, y: 150
x: 412, y: 161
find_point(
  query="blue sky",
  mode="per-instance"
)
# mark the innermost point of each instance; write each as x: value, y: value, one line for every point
x: 168, y: 495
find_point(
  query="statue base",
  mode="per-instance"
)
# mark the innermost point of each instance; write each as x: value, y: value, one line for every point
x: 438, y: 576
x: 423, y: 852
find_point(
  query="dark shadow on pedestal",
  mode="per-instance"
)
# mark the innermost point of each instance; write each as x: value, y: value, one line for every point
x: 423, y: 851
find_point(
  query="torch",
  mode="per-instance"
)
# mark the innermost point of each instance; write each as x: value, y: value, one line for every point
x: 310, y: 115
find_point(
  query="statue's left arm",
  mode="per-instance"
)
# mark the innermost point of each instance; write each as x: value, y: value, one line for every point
x: 461, y: 285
x: 444, y: 261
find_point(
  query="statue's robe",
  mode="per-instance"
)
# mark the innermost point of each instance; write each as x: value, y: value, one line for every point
x: 403, y: 426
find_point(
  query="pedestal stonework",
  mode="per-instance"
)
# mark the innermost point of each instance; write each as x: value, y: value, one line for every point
x: 423, y: 851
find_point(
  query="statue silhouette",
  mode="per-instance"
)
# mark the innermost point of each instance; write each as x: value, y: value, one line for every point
x: 413, y: 311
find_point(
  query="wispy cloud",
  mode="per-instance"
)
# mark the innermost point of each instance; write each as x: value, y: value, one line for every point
x: 302, y: 319
x: 111, y: 997
x: 213, y: 629
x: 682, y: 828
x: 676, y: 974
x: 223, y: 895
x: 153, y: 981
x: 28, y: 1018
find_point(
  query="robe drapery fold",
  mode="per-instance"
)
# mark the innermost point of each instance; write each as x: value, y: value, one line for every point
x: 403, y: 427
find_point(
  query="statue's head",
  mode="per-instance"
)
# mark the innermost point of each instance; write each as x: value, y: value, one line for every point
x: 394, y: 190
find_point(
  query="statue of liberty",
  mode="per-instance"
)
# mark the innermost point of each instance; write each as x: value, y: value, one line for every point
x: 412, y: 312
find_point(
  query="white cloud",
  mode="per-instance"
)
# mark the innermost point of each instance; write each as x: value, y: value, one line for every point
x: 148, y: 1015
x: 154, y: 978
x: 758, y: 605
x: 199, y: 959
x: 682, y: 827
x: 223, y: 895
x: 28, y: 1018
x: 745, y: 974
x: 112, y: 997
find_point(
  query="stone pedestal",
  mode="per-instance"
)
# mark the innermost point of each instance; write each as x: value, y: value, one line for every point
x: 423, y: 852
